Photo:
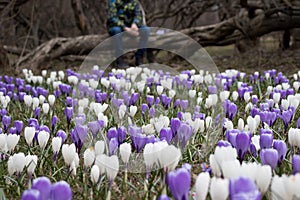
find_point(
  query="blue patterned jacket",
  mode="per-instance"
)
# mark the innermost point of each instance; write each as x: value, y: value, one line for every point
x: 123, y: 13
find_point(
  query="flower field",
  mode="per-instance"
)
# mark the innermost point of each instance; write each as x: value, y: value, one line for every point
x: 145, y: 134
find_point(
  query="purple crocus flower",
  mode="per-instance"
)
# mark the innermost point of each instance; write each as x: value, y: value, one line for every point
x: 31, y: 194
x: 78, y: 135
x: 152, y: 112
x: 253, y: 150
x: 296, y: 164
x: 166, y: 134
x: 69, y: 101
x: 150, y: 100
x: 43, y: 185
x: 37, y: 112
x: 133, y: 99
x: 206, y: 168
x: 212, y: 89
x: 165, y: 100
x: 6, y: 121
x: 231, y: 136
x: 184, y: 104
x: 242, y: 144
x: 80, y: 119
x: 121, y: 134
x: 61, y: 190
x: 163, y: 197
x: 269, y: 157
x: 175, y: 124
x: 223, y: 143
x: 62, y: 134
x: 179, y: 182
x: 113, y: 146
x: 243, y: 188
x: 44, y: 128
x: 112, y: 133
x: 266, y: 140
x: 53, y: 122
x: 230, y: 109
x: 94, y: 127
x: 298, y: 123
x: 176, y: 103
x: 12, y: 130
x: 281, y: 148
x: 19, y: 126
x: 69, y: 114
x: 184, y: 133
x: 286, y: 117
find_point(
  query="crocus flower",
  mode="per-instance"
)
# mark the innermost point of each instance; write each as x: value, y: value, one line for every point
x: 53, y: 122
x: 89, y: 157
x: 113, y: 146
x: 269, y: 157
x: 184, y: 133
x: 94, y: 127
x: 202, y: 185
x: 78, y: 135
x: 166, y: 134
x: 163, y: 197
x: 62, y: 134
x: 179, y: 182
x: 61, y: 190
x: 296, y: 164
x: 125, y: 151
x: 31, y: 163
x: 19, y: 126
x: 175, y: 124
x: 243, y: 188
x: 6, y: 122
x: 242, y: 144
x: 31, y: 194
x: 266, y: 140
x: 121, y: 134
x: 69, y: 114
x: 43, y: 137
x: 11, y: 141
x: 95, y: 174
x: 112, y: 133
x: 29, y: 133
x: 219, y: 189
x: 281, y: 148
x: 56, y: 144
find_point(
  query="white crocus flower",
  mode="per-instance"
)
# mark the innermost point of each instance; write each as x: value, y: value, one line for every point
x: 241, y: 124
x: 159, y: 89
x: 28, y: 100
x: 101, y: 163
x: 149, y: 155
x: 234, y: 95
x: 231, y: 169
x: 125, y: 151
x: 276, y: 97
x: 18, y: 161
x: 89, y: 157
x: 111, y: 167
x: 105, y: 82
x: 44, y: 73
x: 192, y: 93
x: 263, y: 178
x: 93, y: 83
x: 224, y: 95
x: 56, y: 144
x: 51, y: 99
x: 43, y: 138
x: 3, y: 146
x: 99, y: 147
x: 95, y: 174
x: 294, y: 137
x: 132, y: 111
x: 12, y: 141
x: 169, y: 157
x: 31, y: 163
x: 252, y: 124
x: 42, y: 99
x: 202, y: 185
x: 35, y: 102
x: 122, y: 111
x: 208, y: 122
x: 29, y: 133
x: 247, y: 96
x: 279, y: 188
x: 219, y: 189
x: 69, y: 153
x: 172, y: 93
x: 45, y: 108
x: 285, y: 104
x: 255, y: 140
x: 249, y: 170
x: 296, y: 85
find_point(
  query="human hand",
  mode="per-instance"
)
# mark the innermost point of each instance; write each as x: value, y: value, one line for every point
x: 132, y: 31
x: 134, y: 27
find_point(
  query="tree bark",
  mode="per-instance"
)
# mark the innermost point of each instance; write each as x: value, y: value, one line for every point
x: 227, y: 32
x: 4, y: 62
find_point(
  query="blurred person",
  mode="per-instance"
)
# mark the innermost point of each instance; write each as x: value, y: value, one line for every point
x: 125, y: 15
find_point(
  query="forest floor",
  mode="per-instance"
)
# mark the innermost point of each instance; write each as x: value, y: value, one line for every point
x: 266, y: 56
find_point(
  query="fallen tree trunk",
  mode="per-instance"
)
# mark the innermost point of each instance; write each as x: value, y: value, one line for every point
x: 227, y: 32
